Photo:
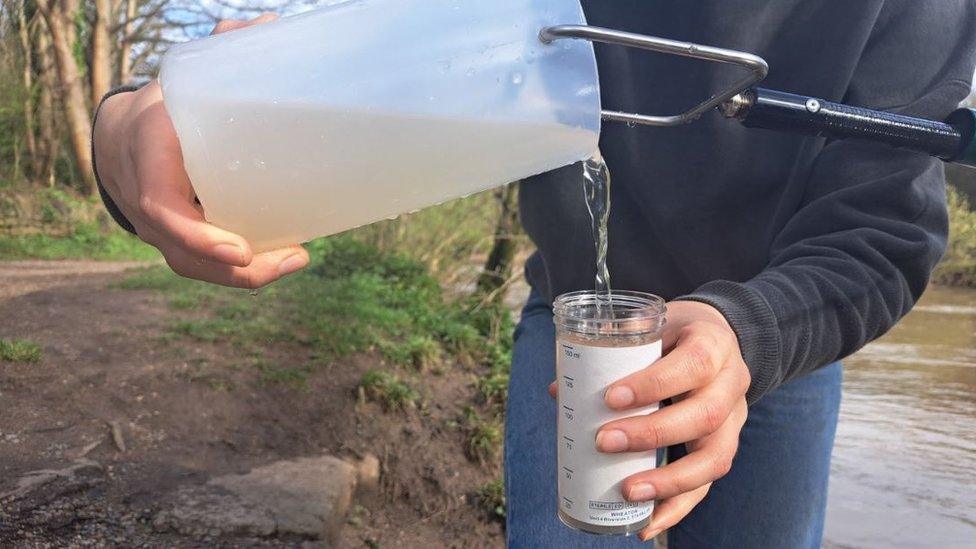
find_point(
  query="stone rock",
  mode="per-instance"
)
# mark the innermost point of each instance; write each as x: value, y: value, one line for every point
x: 212, y: 511
x: 307, y: 497
x: 368, y: 472
x: 37, y: 488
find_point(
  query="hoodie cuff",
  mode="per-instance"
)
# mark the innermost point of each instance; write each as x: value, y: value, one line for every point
x: 110, y: 205
x: 755, y: 326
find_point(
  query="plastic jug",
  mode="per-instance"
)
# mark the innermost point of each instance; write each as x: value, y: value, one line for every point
x: 365, y: 109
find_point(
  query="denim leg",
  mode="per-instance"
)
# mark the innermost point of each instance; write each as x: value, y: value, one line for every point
x: 776, y: 493
x: 530, y: 443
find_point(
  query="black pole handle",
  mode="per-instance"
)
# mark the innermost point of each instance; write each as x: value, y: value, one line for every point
x: 775, y: 110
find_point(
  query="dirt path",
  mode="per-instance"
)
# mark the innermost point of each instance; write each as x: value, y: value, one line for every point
x: 22, y: 277
x: 107, y: 359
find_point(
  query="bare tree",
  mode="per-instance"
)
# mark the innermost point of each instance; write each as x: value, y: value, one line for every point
x: 59, y: 16
x: 27, y: 75
x: 125, y: 42
x: 100, y: 66
x: 48, y: 141
x: 498, y: 268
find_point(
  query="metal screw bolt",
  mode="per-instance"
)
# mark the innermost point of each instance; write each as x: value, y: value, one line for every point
x: 813, y: 105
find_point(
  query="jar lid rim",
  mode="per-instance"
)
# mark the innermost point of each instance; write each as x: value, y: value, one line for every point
x: 627, y: 302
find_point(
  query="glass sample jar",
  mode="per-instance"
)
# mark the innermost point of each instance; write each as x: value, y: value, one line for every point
x: 596, y: 346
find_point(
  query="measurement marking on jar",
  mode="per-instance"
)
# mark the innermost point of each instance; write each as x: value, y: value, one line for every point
x: 569, y: 412
x: 570, y: 352
x: 569, y: 473
x: 569, y: 439
x: 567, y: 502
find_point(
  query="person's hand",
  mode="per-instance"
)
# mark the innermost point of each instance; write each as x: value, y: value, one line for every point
x: 140, y: 166
x: 702, y: 371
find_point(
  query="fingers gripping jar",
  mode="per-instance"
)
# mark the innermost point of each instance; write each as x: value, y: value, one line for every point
x: 594, y: 348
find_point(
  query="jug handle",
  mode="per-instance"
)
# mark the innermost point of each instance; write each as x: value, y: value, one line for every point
x: 756, y: 65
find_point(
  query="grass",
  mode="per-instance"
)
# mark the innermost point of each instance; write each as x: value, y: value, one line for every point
x: 958, y: 266
x: 19, y: 350
x: 293, y: 376
x: 484, y: 436
x: 491, y: 496
x: 353, y: 299
x: 47, y: 223
x: 389, y: 390
x: 493, y: 389
x: 442, y: 238
x: 420, y: 352
x: 84, y: 242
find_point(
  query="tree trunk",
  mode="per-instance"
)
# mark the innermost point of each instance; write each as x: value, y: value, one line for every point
x: 28, y: 80
x: 48, y: 144
x: 498, y: 267
x: 59, y: 19
x: 125, y: 43
x: 101, y: 51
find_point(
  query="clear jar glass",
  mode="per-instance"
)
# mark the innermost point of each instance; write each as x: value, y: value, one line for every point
x: 594, y: 348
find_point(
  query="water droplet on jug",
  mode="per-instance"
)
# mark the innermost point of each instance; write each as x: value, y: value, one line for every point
x: 470, y: 72
x: 230, y: 120
x: 444, y: 66
x: 260, y: 164
x: 234, y: 165
x: 517, y: 78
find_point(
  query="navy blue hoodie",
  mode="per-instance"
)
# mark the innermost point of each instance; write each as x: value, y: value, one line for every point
x: 811, y: 249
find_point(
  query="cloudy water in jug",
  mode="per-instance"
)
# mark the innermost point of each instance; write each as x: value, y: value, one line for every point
x: 366, y: 165
x: 596, y: 190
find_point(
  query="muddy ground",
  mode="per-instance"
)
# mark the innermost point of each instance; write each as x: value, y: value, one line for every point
x: 188, y: 412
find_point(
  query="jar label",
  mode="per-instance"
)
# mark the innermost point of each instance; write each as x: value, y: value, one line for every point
x: 589, y: 481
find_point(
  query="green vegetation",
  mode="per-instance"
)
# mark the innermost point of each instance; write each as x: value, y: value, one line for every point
x: 958, y: 267
x: 296, y: 377
x: 19, y: 350
x: 443, y: 238
x: 389, y: 390
x: 421, y: 352
x: 491, y: 496
x: 58, y: 224
x: 84, y: 242
x: 484, y: 436
x: 354, y: 298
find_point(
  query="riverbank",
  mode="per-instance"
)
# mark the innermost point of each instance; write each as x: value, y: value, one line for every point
x: 361, y: 355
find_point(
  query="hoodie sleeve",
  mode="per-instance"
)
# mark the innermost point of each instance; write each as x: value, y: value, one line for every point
x: 859, y: 250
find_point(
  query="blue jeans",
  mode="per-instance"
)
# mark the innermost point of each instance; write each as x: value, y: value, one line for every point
x: 775, y: 495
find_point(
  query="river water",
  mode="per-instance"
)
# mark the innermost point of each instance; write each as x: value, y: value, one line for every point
x: 904, y: 464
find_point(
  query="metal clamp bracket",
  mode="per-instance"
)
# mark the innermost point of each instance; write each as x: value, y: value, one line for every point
x: 756, y: 65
